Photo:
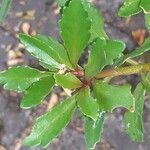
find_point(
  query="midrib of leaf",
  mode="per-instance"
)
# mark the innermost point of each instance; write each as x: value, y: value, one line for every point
x: 50, y: 58
x: 56, y: 118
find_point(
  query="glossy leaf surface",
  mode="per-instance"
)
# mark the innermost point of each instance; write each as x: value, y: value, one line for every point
x: 40, y: 49
x: 103, y: 53
x: 75, y: 27
x: 110, y: 97
x: 68, y: 81
x: 130, y: 7
x: 50, y: 125
x: 87, y: 104
x: 133, y: 120
x: 36, y: 93
x: 93, y: 130
x: 20, y: 78
x: 137, y: 52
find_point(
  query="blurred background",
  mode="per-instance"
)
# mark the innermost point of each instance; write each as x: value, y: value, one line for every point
x: 41, y: 16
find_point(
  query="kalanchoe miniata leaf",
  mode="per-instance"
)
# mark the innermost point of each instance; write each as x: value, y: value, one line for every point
x: 145, y: 5
x: 130, y: 7
x: 68, y: 81
x: 75, y: 27
x: 134, y: 120
x: 35, y: 94
x: 147, y: 20
x: 51, y: 124
x: 20, y: 78
x: 102, y: 53
x: 110, y: 97
x: 97, y: 22
x: 62, y: 56
x: 87, y: 104
x: 137, y: 52
x: 44, y: 52
x: 4, y: 9
x: 93, y: 130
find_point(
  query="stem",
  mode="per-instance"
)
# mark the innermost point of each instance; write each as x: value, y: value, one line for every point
x: 124, y: 71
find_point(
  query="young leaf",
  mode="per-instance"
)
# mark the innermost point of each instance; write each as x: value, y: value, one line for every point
x: 147, y: 21
x: 97, y: 22
x: 41, y: 50
x: 87, y: 104
x: 139, y: 51
x: 68, y: 81
x: 110, y: 97
x: 58, y: 48
x: 4, y: 9
x: 51, y: 124
x: 130, y: 7
x: 20, y: 78
x: 133, y: 120
x: 145, y: 5
x: 35, y: 94
x: 103, y: 53
x: 75, y: 28
x: 93, y: 130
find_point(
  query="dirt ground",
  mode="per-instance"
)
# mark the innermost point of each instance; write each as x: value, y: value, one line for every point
x: 40, y: 16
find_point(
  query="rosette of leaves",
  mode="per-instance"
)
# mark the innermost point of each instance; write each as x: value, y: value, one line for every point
x: 81, y: 26
x: 133, y: 7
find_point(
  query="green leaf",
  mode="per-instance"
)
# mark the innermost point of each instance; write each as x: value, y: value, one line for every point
x: 103, y: 53
x: 75, y: 28
x: 93, y: 130
x: 58, y: 48
x: 97, y: 22
x: 41, y: 50
x: 139, y: 51
x: 145, y: 5
x: 110, y: 97
x: 20, y: 78
x: 35, y: 94
x: 4, y: 9
x: 50, y: 125
x: 146, y: 82
x: 87, y: 104
x: 68, y: 81
x: 147, y: 21
x: 130, y: 7
x: 133, y: 120
x: 61, y: 3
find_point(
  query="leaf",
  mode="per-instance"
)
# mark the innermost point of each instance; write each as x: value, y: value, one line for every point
x: 110, y: 97
x: 147, y: 21
x: 68, y: 81
x: 4, y: 9
x: 75, y: 28
x: 20, y: 78
x: 103, y: 53
x: 50, y: 125
x: 35, y: 94
x: 58, y: 48
x: 41, y: 50
x: 133, y: 120
x: 130, y: 7
x: 146, y: 81
x: 145, y: 5
x: 93, y: 130
x: 61, y: 3
x: 87, y: 104
x: 97, y: 22
x: 139, y: 51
